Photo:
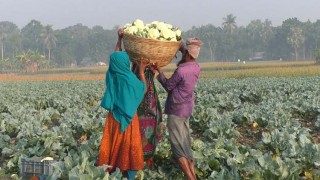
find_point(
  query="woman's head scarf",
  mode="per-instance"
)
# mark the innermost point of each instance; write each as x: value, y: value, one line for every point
x: 124, y: 91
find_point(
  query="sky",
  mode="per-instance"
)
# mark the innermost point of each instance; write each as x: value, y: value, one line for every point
x: 180, y: 13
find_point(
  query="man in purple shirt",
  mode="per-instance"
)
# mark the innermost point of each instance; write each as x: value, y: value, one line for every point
x: 180, y: 103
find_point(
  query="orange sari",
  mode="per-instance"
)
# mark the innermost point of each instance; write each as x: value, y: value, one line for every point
x: 121, y: 150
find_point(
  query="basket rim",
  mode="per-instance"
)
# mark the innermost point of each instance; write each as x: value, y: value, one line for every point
x: 138, y: 37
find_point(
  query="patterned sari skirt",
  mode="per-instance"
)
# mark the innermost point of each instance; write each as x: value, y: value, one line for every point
x: 150, y: 116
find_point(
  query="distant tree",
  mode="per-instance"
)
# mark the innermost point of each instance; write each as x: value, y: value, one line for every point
x: 2, y: 37
x: 100, y: 43
x: 14, y: 40
x: 31, y: 61
x: 207, y: 35
x: 296, y: 39
x: 31, y: 35
x: 317, y: 55
x: 79, y: 43
x: 229, y: 26
x: 309, y: 40
x: 312, y: 37
x: 278, y: 44
x: 49, y: 39
x: 267, y: 29
x: 242, y: 47
x: 5, y: 65
x: 24, y: 59
x: 317, y: 33
x: 63, y: 51
x: 8, y: 31
x: 39, y: 60
x: 229, y: 23
x: 259, y: 34
x: 255, y: 33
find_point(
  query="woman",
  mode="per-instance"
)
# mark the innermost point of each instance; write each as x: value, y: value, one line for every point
x: 121, y: 145
x: 150, y: 117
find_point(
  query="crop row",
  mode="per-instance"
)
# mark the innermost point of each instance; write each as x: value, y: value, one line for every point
x: 253, y: 128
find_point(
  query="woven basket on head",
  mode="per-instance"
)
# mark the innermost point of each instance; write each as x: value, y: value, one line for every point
x: 156, y: 51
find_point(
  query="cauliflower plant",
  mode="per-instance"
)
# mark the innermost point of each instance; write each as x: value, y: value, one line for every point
x: 198, y: 144
x: 154, y: 30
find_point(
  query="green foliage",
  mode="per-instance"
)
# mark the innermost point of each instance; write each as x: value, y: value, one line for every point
x: 225, y: 42
x: 317, y: 55
x: 62, y: 119
x: 32, y: 61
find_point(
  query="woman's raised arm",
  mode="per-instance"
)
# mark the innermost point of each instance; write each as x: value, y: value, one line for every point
x: 119, y: 42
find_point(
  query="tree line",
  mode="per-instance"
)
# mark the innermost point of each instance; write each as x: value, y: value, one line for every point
x: 37, y: 46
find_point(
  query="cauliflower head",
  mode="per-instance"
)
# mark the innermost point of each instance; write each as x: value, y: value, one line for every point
x: 139, y: 24
x: 167, y: 34
x: 153, y: 33
x: 154, y: 30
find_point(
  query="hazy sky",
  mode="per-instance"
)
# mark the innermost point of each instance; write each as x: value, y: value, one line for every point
x: 183, y: 14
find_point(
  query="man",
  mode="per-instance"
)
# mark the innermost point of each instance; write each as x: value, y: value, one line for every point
x: 180, y: 103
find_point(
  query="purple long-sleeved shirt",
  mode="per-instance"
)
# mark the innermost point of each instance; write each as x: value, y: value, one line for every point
x: 180, y: 88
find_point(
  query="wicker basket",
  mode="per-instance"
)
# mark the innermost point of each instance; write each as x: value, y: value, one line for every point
x: 156, y: 51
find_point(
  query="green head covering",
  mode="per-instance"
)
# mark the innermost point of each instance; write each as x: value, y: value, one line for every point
x: 124, y: 91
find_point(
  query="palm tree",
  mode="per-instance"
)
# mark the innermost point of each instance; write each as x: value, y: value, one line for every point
x: 25, y: 59
x: 38, y: 59
x: 49, y: 39
x: 31, y: 61
x: 229, y: 24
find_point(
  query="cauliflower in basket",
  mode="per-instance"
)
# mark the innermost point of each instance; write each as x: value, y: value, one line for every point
x: 178, y: 32
x: 127, y: 25
x: 161, y: 25
x: 153, y: 33
x: 169, y: 26
x: 167, y: 33
x: 131, y: 30
x: 154, y: 30
x: 142, y: 34
x: 139, y: 24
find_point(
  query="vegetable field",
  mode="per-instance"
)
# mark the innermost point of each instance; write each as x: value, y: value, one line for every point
x: 251, y: 128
